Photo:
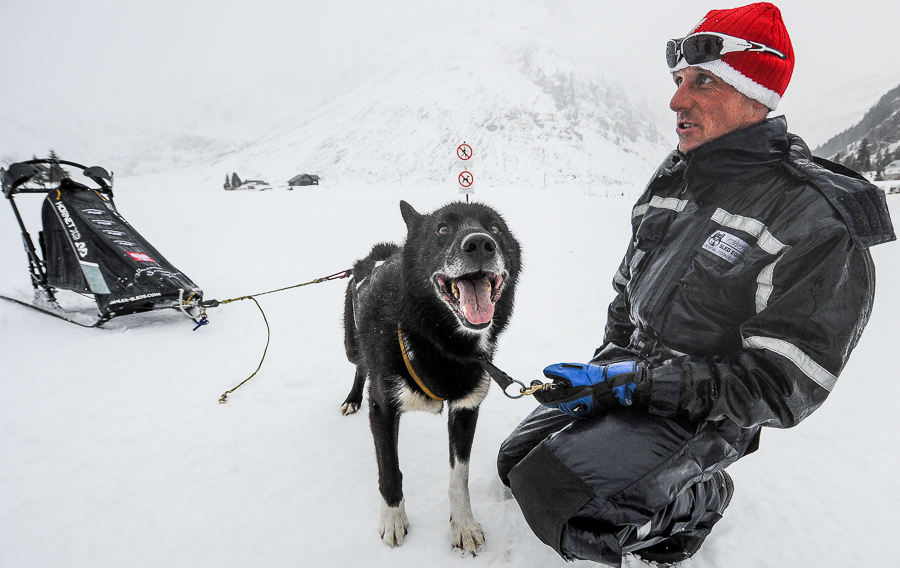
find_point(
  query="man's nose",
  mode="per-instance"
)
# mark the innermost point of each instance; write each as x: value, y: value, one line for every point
x: 681, y: 100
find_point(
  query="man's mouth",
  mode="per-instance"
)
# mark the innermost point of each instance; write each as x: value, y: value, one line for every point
x: 686, y: 125
x: 472, y: 296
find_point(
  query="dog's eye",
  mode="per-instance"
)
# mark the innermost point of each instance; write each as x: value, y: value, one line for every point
x: 443, y: 229
x: 495, y: 229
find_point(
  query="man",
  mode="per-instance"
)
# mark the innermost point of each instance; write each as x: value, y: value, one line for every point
x: 745, y: 286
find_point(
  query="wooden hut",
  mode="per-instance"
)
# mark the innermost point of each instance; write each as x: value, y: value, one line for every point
x: 304, y: 179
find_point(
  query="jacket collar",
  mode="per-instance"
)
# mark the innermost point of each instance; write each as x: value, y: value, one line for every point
x: 737, y: 156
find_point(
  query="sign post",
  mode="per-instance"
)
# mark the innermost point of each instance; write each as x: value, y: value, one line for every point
x: 465, y: 177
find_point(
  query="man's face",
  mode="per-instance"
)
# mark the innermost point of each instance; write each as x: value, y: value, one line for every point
x: 708, y: 107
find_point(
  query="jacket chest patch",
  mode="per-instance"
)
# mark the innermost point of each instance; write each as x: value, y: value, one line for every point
x: 727, y: 246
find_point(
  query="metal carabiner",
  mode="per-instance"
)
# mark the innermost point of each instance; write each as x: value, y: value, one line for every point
x: 533, y: 388
x: 538, y: 386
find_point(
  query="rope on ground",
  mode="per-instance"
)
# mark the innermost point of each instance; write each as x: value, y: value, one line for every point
x: 213, y: 303
x: 258, y: 367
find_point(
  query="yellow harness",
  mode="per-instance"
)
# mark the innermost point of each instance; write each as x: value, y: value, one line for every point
x: 409, y: 367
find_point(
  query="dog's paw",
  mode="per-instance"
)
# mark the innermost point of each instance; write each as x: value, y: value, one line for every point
x: 349, y: 408
x: 467, y: 536
x: 394, y: 524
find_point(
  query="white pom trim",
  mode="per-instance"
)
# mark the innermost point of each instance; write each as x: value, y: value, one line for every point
x: 741, y: 83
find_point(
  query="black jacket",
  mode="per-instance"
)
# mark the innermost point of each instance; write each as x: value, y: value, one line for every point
x: 748, y: 281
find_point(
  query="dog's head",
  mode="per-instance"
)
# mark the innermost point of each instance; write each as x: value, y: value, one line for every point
x: 469, y: 257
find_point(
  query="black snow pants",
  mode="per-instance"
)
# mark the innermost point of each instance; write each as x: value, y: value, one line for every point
x: 596, y: 488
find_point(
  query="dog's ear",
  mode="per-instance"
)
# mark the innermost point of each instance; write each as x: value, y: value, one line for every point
x: 410, y: 215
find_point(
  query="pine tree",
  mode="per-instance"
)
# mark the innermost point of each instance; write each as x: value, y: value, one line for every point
x: 235, y: 180
x: 57, y: 174
x: 884, y: 160
x: 227, y: 181
x: 43, y: 178
x: 864, y: 156
x: 849, y: 161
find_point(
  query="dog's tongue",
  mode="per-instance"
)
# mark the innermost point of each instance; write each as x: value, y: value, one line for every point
x: 475, y: 300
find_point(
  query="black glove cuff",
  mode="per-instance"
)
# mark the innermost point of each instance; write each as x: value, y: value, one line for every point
x: 561, y: 393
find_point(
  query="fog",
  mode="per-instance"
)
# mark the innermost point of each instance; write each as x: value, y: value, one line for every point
x: 234, y: 69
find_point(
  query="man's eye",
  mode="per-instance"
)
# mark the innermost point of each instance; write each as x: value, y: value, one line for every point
x: 704, y: 79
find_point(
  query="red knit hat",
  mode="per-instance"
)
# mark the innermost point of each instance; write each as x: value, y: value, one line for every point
x: 761, y: 76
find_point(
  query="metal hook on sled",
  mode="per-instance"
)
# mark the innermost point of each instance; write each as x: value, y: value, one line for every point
x: 202, y: 320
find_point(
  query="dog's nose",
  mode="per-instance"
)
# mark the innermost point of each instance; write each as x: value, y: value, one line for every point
x: 479, y: 246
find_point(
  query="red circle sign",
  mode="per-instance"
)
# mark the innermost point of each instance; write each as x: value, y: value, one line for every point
x: 466, y: 179
x: 464, y: 151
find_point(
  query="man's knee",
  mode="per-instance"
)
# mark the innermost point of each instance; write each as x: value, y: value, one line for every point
x: 528, y: 434
x: 548, y: 493
x: 586, y: 491
x: 505, y: 463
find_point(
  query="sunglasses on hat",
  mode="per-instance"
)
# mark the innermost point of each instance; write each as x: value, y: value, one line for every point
x: 703, y: 47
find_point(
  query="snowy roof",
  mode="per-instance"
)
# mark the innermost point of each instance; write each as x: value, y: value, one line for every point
x: 303, y: 177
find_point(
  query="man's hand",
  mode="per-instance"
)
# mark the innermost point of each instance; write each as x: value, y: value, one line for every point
x: 582, y: 390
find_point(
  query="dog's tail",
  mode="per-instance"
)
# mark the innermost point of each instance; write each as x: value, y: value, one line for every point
x: 362, y: 272
x: 379, y: 253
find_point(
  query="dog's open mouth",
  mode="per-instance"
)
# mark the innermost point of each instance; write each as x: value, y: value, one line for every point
x: 472, y: 296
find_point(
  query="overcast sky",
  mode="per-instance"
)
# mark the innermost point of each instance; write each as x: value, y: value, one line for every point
x: 269, y: 57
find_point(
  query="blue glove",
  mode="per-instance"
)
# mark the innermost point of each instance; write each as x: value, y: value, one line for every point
x: 582, y: 390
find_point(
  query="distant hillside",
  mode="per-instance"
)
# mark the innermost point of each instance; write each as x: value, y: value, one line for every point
x: 532, y: 116
x: 880, y: 127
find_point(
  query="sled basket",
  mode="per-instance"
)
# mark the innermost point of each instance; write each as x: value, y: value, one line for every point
x: 87, y: 247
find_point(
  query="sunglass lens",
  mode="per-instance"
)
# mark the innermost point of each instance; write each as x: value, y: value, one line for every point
x: 672, y: 53
x: 701, y: 48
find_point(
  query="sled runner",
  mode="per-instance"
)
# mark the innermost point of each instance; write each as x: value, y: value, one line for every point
x: 87, y: 247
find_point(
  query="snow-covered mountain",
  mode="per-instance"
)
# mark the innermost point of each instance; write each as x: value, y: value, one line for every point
x: 125, y: 143
x: 531, y: 112
x: 880, y: 126
x: 531, y: 115
x: 823, y: 116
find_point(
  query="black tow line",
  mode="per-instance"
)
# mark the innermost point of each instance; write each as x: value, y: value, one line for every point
x: 216, y: 303
x: 501, y: 378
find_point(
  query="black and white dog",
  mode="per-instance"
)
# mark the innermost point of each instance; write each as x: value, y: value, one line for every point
x: 419, y: 321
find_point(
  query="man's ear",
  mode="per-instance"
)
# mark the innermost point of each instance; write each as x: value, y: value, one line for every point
x: 410, y: 215
x: 760, y: 109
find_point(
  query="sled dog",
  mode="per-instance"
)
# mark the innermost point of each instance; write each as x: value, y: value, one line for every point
x: 419, y: 321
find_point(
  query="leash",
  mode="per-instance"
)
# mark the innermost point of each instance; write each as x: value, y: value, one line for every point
x: 504, y: 381
x: 216, y: 303
x: 501, y: 378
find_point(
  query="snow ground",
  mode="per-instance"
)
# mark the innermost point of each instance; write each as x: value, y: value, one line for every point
x: 116, y: 453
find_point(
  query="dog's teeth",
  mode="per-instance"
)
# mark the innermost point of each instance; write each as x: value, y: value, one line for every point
x: 490, y: 285
x: 455, y: 289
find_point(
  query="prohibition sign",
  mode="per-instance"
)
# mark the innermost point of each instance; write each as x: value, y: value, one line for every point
x: 464, y: 151
x: 466, y: 179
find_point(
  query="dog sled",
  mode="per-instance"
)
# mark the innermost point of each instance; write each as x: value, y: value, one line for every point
x: 87, y: 247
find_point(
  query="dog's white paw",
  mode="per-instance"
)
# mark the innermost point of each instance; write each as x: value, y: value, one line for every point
x: 349, y: 408
x: 394, y: 524
x: 466, y: 535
